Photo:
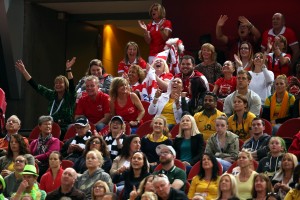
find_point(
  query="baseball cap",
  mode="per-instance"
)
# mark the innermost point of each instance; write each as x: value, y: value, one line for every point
x: 117, y: 117
x: 160, y: 147
x: 82, y: 121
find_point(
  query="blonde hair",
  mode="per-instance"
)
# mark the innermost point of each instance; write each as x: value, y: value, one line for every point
x: 194, y: 128
x: 166, y: 67
x: 114, y: 86
x: 150, y: 195
x: 211, y: 48
x: 281, y: 141
x: 233, y: 186
x: 63, y: 79
x: 161, y: 10
x: 98, y: 155
x: 166, y: 130
x: 100, y: 183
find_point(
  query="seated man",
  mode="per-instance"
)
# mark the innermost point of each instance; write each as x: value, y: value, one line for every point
x: 29, y: 185
x: 176, y: 176
x: 67, y: 189
x: 95, y: 105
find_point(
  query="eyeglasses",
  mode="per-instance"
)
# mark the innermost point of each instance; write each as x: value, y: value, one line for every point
x: 19, y: 161
x: 258, y: 57
x: 95, y: 142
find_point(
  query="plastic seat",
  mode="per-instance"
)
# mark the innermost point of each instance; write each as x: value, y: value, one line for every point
x: 66, y: 163
x: 211, y: 87
x: 288, y: 130
x: 144, y: 129
x: 220, y: 105
x: 147, y: 116
x: 268, y: 127
x: 36, y: 132
x: 177, y: 163
x: 175, y: 130
x: 71, y: 132
x: 241, y: 143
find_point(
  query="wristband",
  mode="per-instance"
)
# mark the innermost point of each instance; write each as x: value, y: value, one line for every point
x: 69, y: 70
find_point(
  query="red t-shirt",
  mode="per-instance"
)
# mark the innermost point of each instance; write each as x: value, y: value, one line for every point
x: 157, y: 42
x: 93, y: 110
x: 275, y: 67
x: 129, y: 112
x: 226, y: 87
x: 124, y: 67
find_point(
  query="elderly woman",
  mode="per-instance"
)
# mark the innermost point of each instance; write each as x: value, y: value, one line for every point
x: 209, y: 67
x: 42, y: 147
x: 156, y: 32
x: 125, y: 103
x: 74, y: 147
x: 168, y: 104
x: 132, y: 57
x: 95, y: 68
x: 279, y: 106
x: 61, y: 99
x: 223, y: 144
x: 94, y: 172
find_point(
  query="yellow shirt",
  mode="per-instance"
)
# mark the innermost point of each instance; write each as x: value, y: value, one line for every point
x: 161, y: 139
x: 168, y: 112
x: 209, y: 189
x: 244, y: 188
x: 241, y: 129
x: 207, y: 125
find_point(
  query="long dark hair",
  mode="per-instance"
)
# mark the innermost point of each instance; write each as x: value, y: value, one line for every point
x: 126, y: 146
x: 23, y: 149
x: 145, y: 168
x: 215, y: 168
x: 103, y: 146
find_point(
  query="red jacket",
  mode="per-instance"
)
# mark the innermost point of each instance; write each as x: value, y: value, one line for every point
x: 48, y: 184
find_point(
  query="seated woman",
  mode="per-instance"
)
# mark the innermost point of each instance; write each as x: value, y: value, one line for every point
x: 209, y: 66
x: 262, y: 78
x: 61, y: 99
x: 99, y: 190
x: 227, y: 188
x: 240, y: 122
x: 51, y: 180
x: 168, y: 104
x: 223, y: 144
x: 160, y: 135
x: 94, y: 172
x: 197, y: 89
x: 163, y: 75
x: 135, y: 77
x: 132, y: 57
x: 145, y: 186
x: 261, y: 186
x: 243, y: 60
x: 205, y: 183
x: 125, y: 103
x: 246, y: 176
x: 189, y: 143
x: 97, y: 69
x: 279, y: 107
x: 284, y: 176
x: 42, y: 147
x: 278, y: 60
x: 98, y: 143
x: 16, y: 147
x: 227, y: 84
x: 74, y: 147
x: 116, y: 136
x: 138, y: 170
x: 294, y: 193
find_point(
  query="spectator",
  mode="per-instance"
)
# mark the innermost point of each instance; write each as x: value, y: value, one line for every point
x: 176, y: 176
x: 132, y: 56
x: 227, y: 84
x: 209, y: 66
x: 163, y: 75
x: 206, y: 182
x: 51, y: 180
x: 279, y: 107
x: 294, y: 193
x: 115, y: 137
x: 99, y: 190
x: 135, y: 77
x: 189, y: 142
x: 165, y: 191
x: 42, y: 147
x: 244, y: 56
x: 187, y: 64
x: 240, y: 122
x: 67, y: 189
x: 262, y: 78
x: 169, y: 104
x: 246, y: 32
x: 94, y: 161
x: 145, y: 186
x: 61, y: 99
x: 74, y: 147
x: 94, y: 106
x: 157, y: 32
x: 223, y: 144
x: 279, y: 28
x: 257, y: 144
x: 254, y: 101
x: 29, y: 185
x: 160, y: 135
x: 205, y: 119
x: 227, y: 188
x: 97, y: 69
x: 110, y: 196
x: 261, y: 186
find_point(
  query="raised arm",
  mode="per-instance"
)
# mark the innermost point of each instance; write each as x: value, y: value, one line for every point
x: 21, y: 67
x: 147, y: 36
x: 69, y: 65
x: 219, y: 33
x: 255, y: 32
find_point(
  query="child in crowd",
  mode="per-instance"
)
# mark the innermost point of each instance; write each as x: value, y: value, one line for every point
x: 271, y: 163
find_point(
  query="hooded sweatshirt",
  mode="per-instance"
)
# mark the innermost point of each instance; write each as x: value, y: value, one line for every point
x: 260, y: 146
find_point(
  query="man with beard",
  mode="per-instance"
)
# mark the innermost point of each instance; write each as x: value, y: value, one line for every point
x: 206, y: 119
x: 176, y: 176
x: 187, y: 65
x: 258, y: 143
x: 67, y: 190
